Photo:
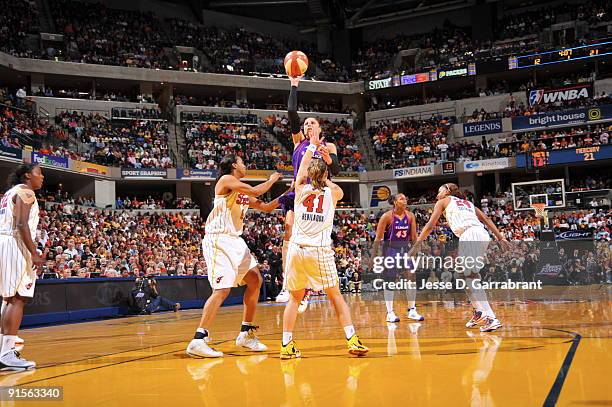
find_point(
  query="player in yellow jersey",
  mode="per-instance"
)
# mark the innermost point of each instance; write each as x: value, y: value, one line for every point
x: 228, y: 259
x: 18, y: 258
x: 310, y: 257
x: 467, y: 223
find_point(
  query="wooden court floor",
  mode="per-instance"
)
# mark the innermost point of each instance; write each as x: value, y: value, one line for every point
x: 555, y: 348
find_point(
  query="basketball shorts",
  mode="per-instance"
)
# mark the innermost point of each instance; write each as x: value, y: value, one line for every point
x: 473, y: 244
x: 228, y: 259
x: 310, y: 267
x: 17, y: 274
x: 398, y: 267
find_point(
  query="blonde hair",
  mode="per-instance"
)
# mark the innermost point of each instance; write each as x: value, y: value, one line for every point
x: 316, y: 172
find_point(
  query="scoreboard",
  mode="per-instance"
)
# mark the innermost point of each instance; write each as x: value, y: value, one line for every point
x: 539, y: 159
x: 560, y: 55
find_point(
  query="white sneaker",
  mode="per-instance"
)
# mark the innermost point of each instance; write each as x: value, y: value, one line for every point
x: 19, y: 344
x: 283, y: 296
x: 199, y: 348
x: 413, y: 314
x: 490, y: 324
x: 391, y: 317
x: 11, y: 360
x: 303, y: 305
x: 250, y: 341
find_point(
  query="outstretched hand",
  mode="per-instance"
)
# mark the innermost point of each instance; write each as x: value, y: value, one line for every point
x: 295, y: 81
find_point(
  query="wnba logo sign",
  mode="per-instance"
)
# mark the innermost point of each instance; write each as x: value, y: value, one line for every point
x: 535, y: 96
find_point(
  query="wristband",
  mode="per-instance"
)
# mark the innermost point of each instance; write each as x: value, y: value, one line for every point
x: 312, y: 148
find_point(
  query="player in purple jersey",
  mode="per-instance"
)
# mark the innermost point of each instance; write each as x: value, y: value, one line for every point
x: 397, y: 228
x: 301, y: 140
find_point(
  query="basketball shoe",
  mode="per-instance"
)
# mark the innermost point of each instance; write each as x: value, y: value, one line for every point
x: 283, y: 296
x: 303, y: 305
x: 413, y: 314
x: 289, y: 351
x: 490, y: 324
x: 247, y: 339
x: 12, y: 361
x: 199, y: 348
x: 355, y: 347
x: 477, y: 318
x: 391, y: 317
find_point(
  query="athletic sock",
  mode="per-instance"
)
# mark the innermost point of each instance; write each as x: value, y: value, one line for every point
x: 411, y: 297
x: 201, y: 333
x: 8, y: 343
x: 349, y: 331
x: 287, y: 337
x: 389, y: 300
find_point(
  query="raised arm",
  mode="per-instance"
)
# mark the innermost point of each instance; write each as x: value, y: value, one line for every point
x: 329, y: 153
x: 337, y: 192
x: 294, y: 119
x: 229, y: 182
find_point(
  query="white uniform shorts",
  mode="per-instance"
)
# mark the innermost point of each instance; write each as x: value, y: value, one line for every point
x: 17, y: 274
x: 228, y: 259
x: 310, y: 266
x: 473, y: 245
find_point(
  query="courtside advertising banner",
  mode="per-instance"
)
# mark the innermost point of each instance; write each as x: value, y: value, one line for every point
x: 89, y: 168
x: 486, y: 165
x: 562, y: 117
x: 144, y: 173
x: 482, y: 128
x: 196, y: 174
x: 49, y: 160
x: 414, y: 172
x: 564, y: 94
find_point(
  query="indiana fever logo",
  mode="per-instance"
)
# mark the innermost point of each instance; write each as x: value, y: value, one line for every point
x: 380, y: 193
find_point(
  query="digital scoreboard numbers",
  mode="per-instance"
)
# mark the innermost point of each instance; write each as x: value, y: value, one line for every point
x: 537, y: 160
x: 560, y: 55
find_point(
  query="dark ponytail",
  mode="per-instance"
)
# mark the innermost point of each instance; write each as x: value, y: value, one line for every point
x: 391, y: 199
x: 19, y: 175
x: 226, y: 165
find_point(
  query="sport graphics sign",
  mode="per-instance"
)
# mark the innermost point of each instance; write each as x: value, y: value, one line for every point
x: 486, y: 165
x: 481, y: 128
x: 573, y: 155
x: 568, y: 93
x: 144, y: 173
x: 414, y: 172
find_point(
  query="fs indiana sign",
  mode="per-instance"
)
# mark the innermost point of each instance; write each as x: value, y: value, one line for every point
x: 555, y: 95
x: 414, y: 172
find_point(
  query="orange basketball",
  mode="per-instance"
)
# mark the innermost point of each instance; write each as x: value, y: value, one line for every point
x: 296, y: 63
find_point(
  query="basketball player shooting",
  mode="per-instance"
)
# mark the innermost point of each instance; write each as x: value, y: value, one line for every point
x: 467, y: 223
x: 18, y: 258
x: 301, y: 140
x: 310, y: 257
x: 228, y: 259
x: 397, y: 228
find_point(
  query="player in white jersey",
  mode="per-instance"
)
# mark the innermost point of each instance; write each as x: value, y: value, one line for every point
x: 228, y: 259
x: 310, y: 257
x: 18, y: 258
x: 467, y: 222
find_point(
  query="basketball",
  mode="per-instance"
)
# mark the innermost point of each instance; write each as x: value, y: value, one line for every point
x: 296, y: 63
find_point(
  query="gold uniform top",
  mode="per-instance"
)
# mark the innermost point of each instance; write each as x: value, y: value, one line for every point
x: 227, y: 215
